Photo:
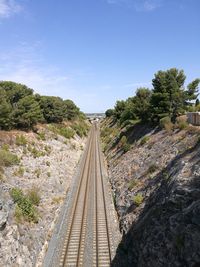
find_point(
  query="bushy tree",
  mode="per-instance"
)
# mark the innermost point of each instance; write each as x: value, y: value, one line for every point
x: 27, y: 112
x: 71, y: 111
x: 142, y: 104
x: 15, y: 91
x: 192, y: 92
x: 5, y: 111
x: 119, y: 108
x: 129, y: 111
x: 109, y: 112
x: 52, y: 108
x: 168, y: 94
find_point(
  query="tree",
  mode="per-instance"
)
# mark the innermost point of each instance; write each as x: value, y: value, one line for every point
x: 142, y: 104
x: 5, y: 111
x: 15, y: 91
x: 52, y: 108
x: 128, y: 112
x: 27, y: 112
x: 109, y: 113
x: 168, y: 94
x: 192, y: 92
x: 71, y: 111
x: 119, y: 108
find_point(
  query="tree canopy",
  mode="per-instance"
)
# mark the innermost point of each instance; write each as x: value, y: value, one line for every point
x: 21, y: 108
x: 167, y: 98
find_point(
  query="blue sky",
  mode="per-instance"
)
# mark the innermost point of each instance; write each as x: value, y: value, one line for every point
x: 97, y: 51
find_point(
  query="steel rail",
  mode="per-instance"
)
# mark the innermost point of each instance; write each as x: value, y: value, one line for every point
x: 103, y: 191
x: 74, y: 208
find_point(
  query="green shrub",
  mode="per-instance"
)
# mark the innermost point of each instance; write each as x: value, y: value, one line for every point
x: 41, y: 136
x: 8, y: 159
x: 106, y: 132
x: 16, y: 194
x: 138, y: 199
x: 34, y: 196
x: 133, y: 183
x: 144, y: 140
x: 48, y: 174
x: 36, y: 153
x: 152, y: 168
x: 21, y: 140
x: 165, y: 123
x: 24, y: 208
x: 124, y: 144
x: 126, y: 147
x: 182, y: 123
x: 5, y: 147
x: 66, y: 132
x: 80, y: 128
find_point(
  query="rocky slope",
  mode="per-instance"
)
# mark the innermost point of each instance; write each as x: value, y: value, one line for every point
x: 47, y: 163
x: 156, y: 187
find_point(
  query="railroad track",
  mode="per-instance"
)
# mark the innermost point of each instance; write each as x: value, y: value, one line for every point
x: 87, y: 238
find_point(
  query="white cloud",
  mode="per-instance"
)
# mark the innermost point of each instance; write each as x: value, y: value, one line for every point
x: 138, y: 5
x: 24, y: 64
x: 8, y: 8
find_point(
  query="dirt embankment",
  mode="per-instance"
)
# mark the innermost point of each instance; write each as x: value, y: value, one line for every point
x: 46, y: 163
x: 156, y: 188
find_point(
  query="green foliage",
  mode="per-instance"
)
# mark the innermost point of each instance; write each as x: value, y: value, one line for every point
x: 66, y: 132
x: 27, y: 113
x: 16, y: 194
x: 36, y: 153
x: 21, y: 140
x: 133, y: 183
x: 81, y: 128
x: 71, y: 111
x: 109, y: 113
x: 5, y: 111
x: 152, y: 168
x: 192, y: 92
x: 182, y: 123
x: 169, y: 98
x: 144, y: 140
x: 165, y: 123
x: 168, y: 94
x: 5, y: 147
x: 25, y: 204
x: 20, y: 108
x: 34, y: 196
x: 124, y: 144
x: 52, y: 108
x: 142, y: 104
x: 41, y: 136
x: 138, y: 199
x: 8, y: 159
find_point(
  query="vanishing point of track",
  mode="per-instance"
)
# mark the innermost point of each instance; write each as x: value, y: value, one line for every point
x: 87, y: 219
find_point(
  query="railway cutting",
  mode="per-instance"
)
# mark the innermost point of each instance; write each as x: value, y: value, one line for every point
x: 84, y: 234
